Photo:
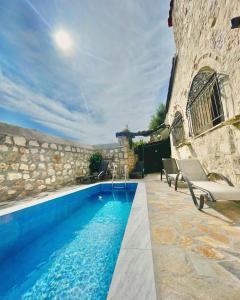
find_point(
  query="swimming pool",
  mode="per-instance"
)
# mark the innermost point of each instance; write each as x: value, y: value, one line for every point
x: 65, y: 248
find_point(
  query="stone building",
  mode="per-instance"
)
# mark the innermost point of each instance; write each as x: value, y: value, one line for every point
x: 203, y: 105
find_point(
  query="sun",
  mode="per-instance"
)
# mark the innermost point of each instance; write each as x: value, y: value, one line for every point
x: 63, y: 40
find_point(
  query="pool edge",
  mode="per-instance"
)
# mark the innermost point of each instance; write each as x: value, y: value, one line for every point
x: 133, y: 277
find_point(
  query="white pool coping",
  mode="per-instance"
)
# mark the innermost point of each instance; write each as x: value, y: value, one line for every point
x: 133, y: 276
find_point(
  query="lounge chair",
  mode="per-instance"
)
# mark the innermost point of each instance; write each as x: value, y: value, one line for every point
x: 103, y: 170
x: 138, y: 171
x: 196, y: 178
x: 100, y: 175
x: 170, y: 169
x: 88, y: 178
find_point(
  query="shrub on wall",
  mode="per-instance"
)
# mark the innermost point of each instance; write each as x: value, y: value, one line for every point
x: 138, y: 149
x: 95, y: 162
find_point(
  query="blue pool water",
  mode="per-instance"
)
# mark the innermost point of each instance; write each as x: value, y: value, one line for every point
x: 74, y: 256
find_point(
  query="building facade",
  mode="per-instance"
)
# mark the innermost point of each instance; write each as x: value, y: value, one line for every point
x: 203, y: 106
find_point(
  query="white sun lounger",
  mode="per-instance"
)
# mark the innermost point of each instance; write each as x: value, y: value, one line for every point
x: 170, y: 170
x: 196, y: 178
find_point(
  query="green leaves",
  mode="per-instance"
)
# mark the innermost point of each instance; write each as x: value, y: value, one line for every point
x: 95, y: 162
x: 158, y: 118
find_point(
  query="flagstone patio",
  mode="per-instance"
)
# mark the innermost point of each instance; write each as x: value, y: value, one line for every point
x: 196, y: 255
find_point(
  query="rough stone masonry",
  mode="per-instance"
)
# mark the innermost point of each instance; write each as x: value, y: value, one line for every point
x: 204, y: 39
x: 32, y: 162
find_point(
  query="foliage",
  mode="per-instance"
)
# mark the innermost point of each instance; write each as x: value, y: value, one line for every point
x: 158, y: 118
x: 139, y: 144
x: 138, y: 149
x: 95, y: 162
x: 131, y: 143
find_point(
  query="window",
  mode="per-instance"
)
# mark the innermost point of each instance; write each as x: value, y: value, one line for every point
x: 204, y: 107
x: 177, y: 129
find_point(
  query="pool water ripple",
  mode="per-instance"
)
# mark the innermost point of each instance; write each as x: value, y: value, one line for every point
x: 76, y: 258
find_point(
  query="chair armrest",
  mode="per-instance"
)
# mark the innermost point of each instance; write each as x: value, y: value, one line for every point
x: 100, y: 174
x: 166, y: 175
x: 222, y: 177
x: 199, y: 204
x: 187, y: 180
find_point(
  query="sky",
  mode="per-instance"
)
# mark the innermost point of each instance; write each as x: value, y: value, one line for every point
x: 114, y: 73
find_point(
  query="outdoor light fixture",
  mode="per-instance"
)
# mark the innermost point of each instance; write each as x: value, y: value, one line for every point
x: 235, y: 22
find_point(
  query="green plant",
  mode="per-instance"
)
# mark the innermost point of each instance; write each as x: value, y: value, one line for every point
x: 158, y: 118
x: 95, y: 162
x: 139, y: 143
x: 131, y: 144
x: 138, y: 149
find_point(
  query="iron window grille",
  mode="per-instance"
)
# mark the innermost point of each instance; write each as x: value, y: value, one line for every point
x: 177, y: 129
x: 204, y: 107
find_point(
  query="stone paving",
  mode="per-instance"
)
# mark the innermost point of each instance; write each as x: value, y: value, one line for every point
x: 196, y: 255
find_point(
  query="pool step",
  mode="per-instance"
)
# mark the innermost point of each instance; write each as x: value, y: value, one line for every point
x: 119, y: 187
x: 114, y: 176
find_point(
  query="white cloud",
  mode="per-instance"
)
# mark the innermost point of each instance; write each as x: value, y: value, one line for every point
x: 114, y: 78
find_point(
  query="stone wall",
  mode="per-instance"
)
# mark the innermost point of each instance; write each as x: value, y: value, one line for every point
x: 121, y: 154
x: 204, y: 39
x: 30, y: 166
x: 32, y: 162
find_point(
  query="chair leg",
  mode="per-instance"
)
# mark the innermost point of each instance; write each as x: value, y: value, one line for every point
x: 199, y: 204
x: 168, y: 180
x: 176, y: 181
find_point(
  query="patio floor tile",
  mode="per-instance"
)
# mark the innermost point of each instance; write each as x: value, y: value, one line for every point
x: 195, y: 254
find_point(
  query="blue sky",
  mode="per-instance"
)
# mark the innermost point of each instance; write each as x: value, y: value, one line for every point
x: 116, y: 72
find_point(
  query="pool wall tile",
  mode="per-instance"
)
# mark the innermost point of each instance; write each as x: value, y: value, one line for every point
x: 22, y: 226
x: 107, y: 187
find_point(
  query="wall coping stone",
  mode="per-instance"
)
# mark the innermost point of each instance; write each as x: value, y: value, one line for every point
x: 108, y: 146
x: 34, y: 137
x: 32, y: 134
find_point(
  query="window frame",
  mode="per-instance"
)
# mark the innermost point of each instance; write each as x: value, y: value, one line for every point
x: 204, y: 108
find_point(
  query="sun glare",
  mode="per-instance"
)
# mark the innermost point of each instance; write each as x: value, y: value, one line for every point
x: 63, y: 40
